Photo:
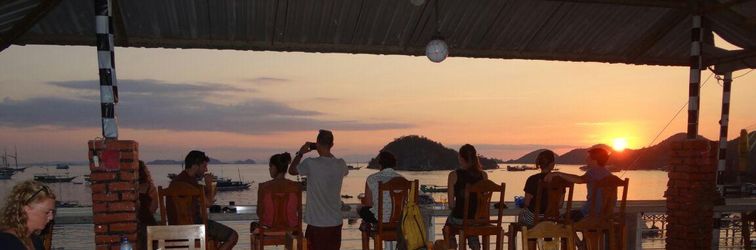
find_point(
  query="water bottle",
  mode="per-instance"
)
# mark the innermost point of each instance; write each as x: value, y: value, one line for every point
x: 519, y: 201
x: 125, y: 245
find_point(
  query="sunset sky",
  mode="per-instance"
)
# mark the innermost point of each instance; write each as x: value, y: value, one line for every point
x: 242, y: 104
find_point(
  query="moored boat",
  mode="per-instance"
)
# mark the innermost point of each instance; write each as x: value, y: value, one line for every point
x: 433, y: 188
x: 46, y: 178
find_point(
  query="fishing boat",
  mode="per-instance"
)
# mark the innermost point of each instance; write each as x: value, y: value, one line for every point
x: 226, y: 184
x: 62, y: 166
x: 433, y: 188
x: 46, y: 178
x: 515, y: 168
x: 6, y: 174
x: 350, y: 167
x: 6, y: 166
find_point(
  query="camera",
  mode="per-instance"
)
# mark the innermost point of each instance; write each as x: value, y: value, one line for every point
x: 313, y: 146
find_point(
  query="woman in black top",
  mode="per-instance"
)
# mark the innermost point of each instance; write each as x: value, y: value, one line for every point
x: 28, y: 209
x: 470, y: 172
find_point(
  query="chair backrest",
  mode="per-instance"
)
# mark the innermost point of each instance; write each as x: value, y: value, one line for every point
x: 276, y: 200
x: 549, y: 230
x: 176, y: 237
x: 483, y: 190
x: 398, y: 189
x: 179, y: 204
x: 557, y: 191
x: 608, y: 187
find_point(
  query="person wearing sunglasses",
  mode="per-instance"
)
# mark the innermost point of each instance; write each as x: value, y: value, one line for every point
x: 28, y: 209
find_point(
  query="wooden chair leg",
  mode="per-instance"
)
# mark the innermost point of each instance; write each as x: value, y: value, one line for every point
x: 500, y: 240
x: 486, y: 242
x: 365, y: 241
x: 462, y: 240
x: 512, y: 237
x: 378, y: 242
x: 745, y: 230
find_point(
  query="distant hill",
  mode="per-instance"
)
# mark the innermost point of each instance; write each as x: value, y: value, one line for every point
x: 247, y: 161
x: 528, y: 158
x: 653, y: 157
x: 417, y: 153
x: 165, y: 162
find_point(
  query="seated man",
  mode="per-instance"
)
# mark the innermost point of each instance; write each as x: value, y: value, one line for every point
x: 369, y: 207
x: 596, y: 160
x: 195, y: 167
x: 544, y: 161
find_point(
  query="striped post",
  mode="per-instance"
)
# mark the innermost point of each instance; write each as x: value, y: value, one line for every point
x: 724, y: 122
x: 694, y: 88
x: 106, y: 63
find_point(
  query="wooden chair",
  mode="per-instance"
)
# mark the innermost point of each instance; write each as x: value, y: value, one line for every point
x: 558, y: 190
x: 561, y: 236
x: 174, y: 202
x: 398, y: 189
x: 747, y: 219
x: 280, y: 232
x: 481, y: 224
x: 176, y: 237
x: 609, y: 220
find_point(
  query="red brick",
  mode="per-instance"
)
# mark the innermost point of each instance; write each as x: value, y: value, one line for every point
x: 99, y: 207
x: 128, y: 196
x: 105, y: 197
x: 130, y: 155
x: 122, y: 207
x: 107, y: 239
x: 128, y: 175
x: 100, y: 229
x: 124, y: 227
x: 104, y: 247
x: 99, y: 188
x: 102, y: 176
x: 123, y: 144
x: 114, y: 217
x: 127, y: 164
x: 122, y: 186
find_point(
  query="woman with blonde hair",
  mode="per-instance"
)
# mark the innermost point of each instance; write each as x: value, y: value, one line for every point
x: 28, y: 209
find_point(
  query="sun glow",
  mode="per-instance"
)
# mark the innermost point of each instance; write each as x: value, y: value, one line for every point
x: 619, y: 144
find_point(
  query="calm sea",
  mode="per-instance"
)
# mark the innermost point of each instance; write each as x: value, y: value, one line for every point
x: 644, y: 185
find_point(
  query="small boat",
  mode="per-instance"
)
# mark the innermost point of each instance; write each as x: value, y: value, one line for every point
x: 515, y: 168
x: 62, y: 166
x: 433, y: 188
x: 225, y: 184
x: 6, y: 174
x: 53, y: 178
x: 67, y: 204
x: 346, y: 196
x: 350, y: 167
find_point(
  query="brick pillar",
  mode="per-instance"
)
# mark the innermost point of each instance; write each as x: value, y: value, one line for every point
x: 691, y: 194
x: 114, y: 174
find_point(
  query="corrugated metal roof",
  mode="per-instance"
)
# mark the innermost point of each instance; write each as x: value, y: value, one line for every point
x: 616, y: 31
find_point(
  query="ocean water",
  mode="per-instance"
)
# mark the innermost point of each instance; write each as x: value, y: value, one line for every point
x: 644, y: 185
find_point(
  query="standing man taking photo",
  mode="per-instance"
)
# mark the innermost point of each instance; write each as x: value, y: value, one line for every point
x: 325, y: 174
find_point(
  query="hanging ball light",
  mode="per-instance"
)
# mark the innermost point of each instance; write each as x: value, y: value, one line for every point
x: 437, y: 50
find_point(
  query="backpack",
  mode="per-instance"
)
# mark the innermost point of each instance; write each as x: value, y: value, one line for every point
x: 412, y: 232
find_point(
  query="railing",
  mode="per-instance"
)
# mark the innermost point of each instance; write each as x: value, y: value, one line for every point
x: 645, y: 221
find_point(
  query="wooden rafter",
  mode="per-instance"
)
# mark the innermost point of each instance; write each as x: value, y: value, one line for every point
x: 27, y: 22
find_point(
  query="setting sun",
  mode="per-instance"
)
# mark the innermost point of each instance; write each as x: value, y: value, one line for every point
x: 619, y: 144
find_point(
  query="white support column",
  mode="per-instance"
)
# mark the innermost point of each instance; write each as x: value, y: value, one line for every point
x: 694, y: 87
x: 106, y: 65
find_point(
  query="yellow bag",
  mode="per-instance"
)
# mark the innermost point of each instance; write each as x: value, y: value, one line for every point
x: 412, y: 231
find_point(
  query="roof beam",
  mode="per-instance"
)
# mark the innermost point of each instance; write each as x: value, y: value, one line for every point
x: 660, y: 29
x: 119, y: 33
x: 27, y: 22
x: 716, y: 6
x: 742, y: 59
x: 671, y: 4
